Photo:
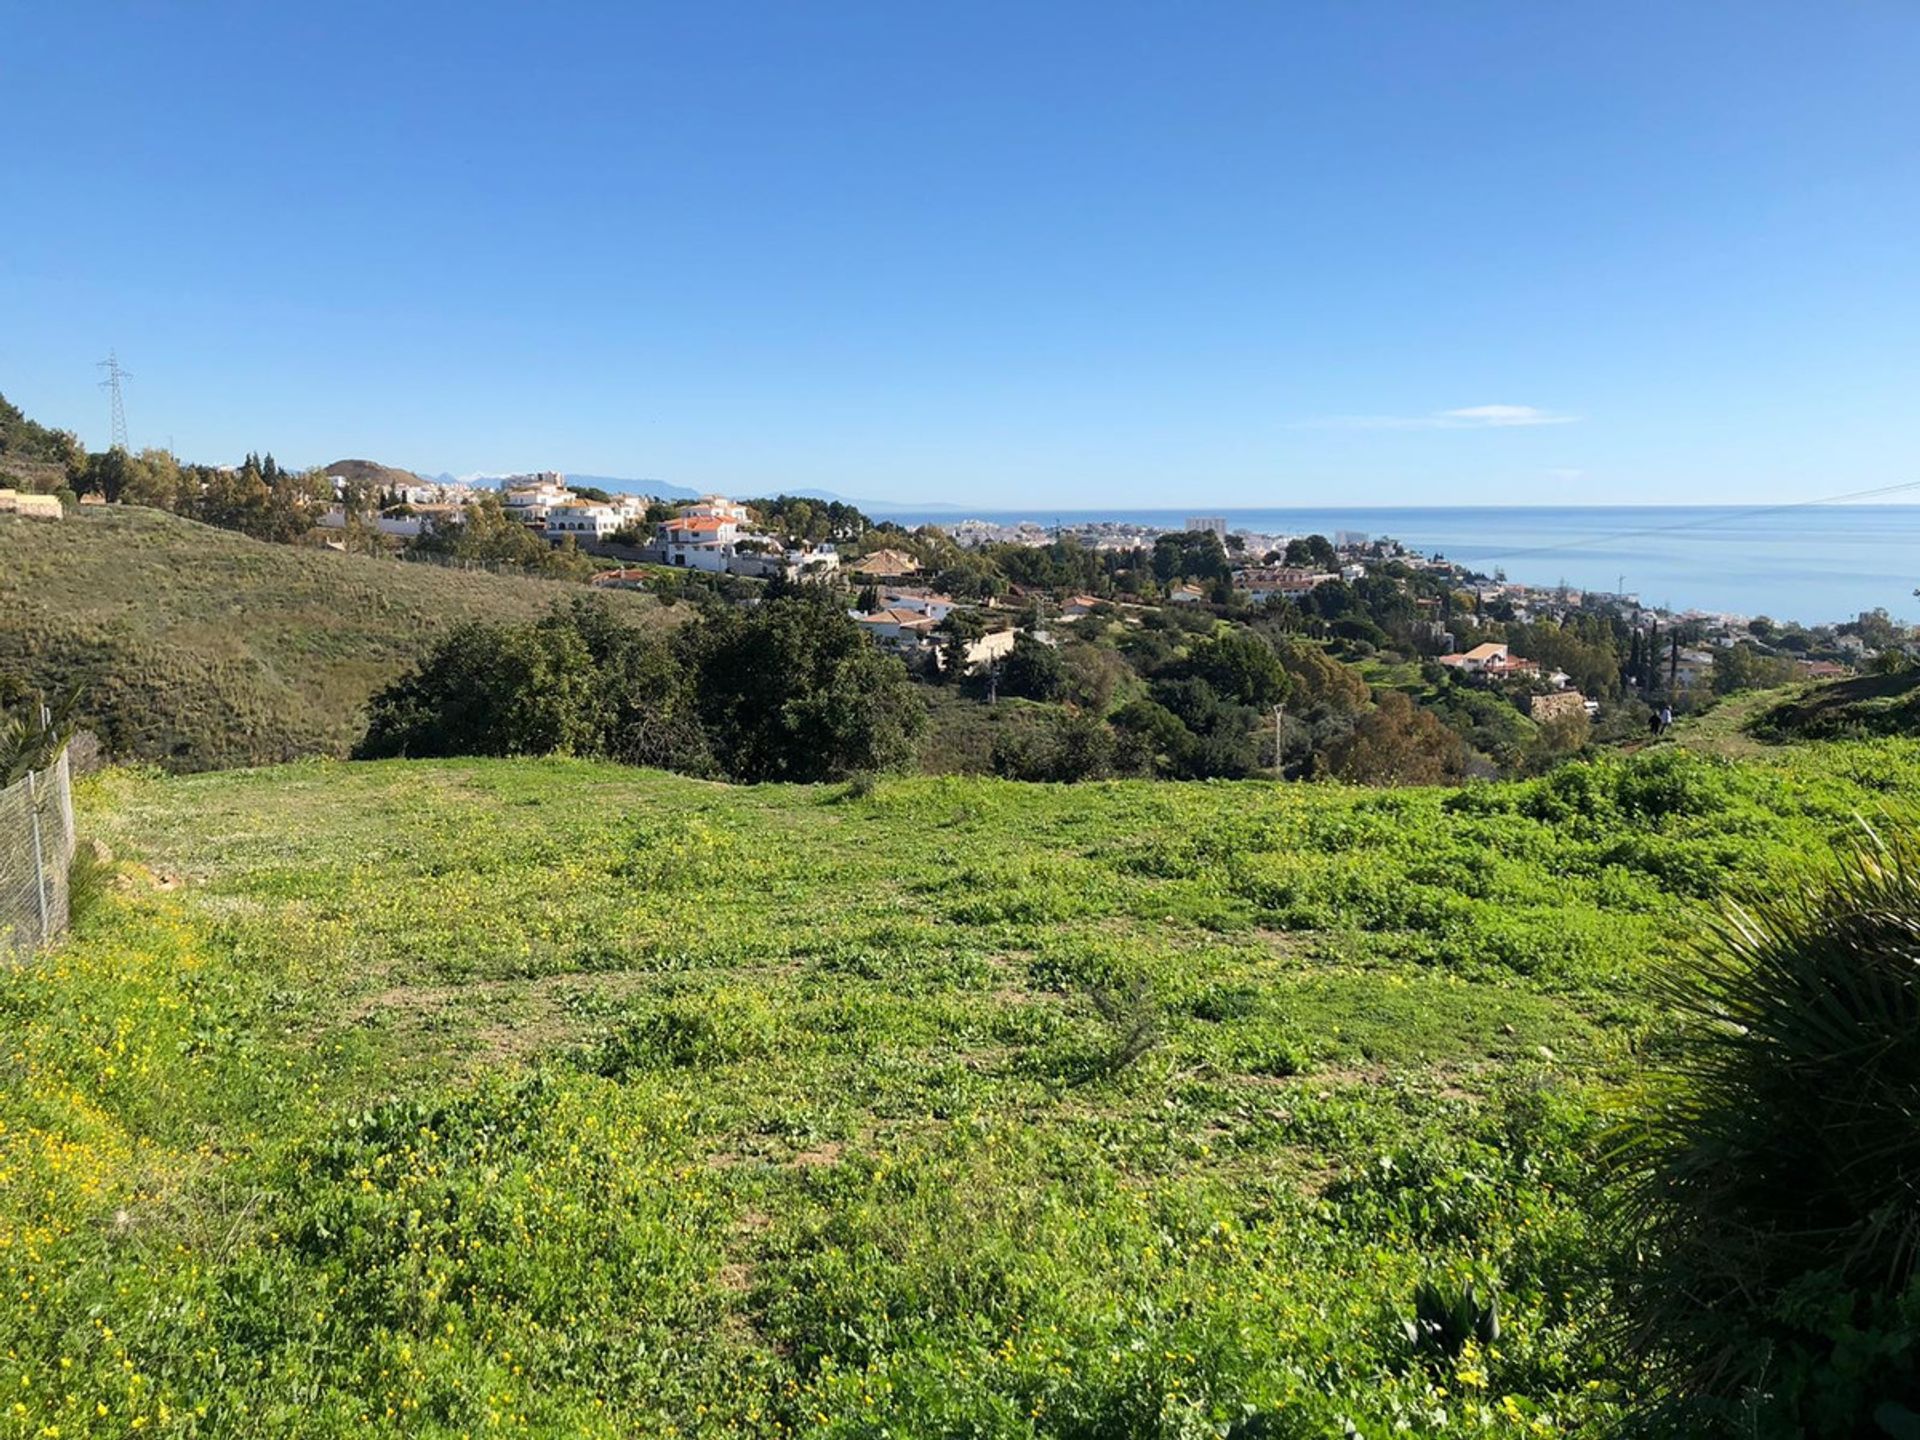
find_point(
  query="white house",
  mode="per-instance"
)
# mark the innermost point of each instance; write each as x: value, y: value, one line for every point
x: 715, y: 507
x: 403, y: 527
x: 934, y: 607
x: 583, y: 522
x: 532, y: 504
x: 1695, y: 667
x: 820, y: 559
x: 700, y: 542
x: 897, y: 629
x: 989, y: 648
x: 1490, y: 660
x: 801, y: 562
x: 1264, y: 582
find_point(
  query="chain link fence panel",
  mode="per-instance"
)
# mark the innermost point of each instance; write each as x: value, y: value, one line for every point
x: 36, y: 852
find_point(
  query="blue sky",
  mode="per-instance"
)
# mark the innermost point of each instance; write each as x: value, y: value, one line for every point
x: 996, y: 254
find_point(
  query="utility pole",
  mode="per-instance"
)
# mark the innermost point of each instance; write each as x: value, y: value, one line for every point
x: 112, y: 386
x: 1279, y: 711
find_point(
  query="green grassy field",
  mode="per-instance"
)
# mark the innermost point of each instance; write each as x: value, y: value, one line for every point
x: 439, y: 1098
x: 200, y: 648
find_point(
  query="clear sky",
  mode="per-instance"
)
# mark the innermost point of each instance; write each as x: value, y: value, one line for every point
x: 1059, y: 254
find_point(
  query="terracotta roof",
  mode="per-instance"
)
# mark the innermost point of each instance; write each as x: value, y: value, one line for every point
x: 894, y: 617
x: 887, y: 562
x: 1489, y: 651
x: 698, y: 522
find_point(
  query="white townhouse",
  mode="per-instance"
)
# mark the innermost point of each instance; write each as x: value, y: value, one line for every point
x: 581, y: 521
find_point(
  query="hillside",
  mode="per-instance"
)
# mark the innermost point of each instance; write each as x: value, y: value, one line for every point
x: 437, y: 1097
x: 1865, y: 705
x: 374, y: 474
x: 202, y: 648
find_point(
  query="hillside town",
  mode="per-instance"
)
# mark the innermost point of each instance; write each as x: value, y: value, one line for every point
x: 896, y: 599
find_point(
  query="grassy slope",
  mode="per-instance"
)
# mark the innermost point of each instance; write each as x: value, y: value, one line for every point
x: 1863, y: 705
x: 202, y: 648
x: 577, y: 1100
x: 961, y: 730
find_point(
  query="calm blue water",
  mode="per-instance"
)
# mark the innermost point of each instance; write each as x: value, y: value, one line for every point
x: 1808, y: 563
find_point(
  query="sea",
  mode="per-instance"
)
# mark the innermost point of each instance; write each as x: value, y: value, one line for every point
x: 1811, y: 563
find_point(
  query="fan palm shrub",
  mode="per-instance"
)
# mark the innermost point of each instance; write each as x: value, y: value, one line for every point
x: 32, y: 735
x: 1768, y: 1185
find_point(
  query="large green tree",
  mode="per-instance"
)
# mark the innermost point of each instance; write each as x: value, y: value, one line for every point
x: 490, y: 690
x: 24, y: 439
x: 1189, y: 555
x: 1033, y: 670
x: 1240, y: 667
x: 485, y: 535
x: 791, y: 690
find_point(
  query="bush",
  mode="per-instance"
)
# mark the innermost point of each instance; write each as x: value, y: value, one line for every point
x: 1395, y: 744
x: 1240, y: 667
x: 791, y: 691
x: 1770, y: 1181
x: 1070, y: 746
x: 1033, y: 671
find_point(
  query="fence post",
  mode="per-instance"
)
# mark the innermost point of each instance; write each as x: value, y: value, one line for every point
x: 39, y: 864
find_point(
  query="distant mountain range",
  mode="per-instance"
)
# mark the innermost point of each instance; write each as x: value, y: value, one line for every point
x: 618, y: 485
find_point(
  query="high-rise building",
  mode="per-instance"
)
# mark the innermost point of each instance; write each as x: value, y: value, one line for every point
x: 1216, y: 523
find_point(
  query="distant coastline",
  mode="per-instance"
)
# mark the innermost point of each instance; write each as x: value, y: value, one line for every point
x: 1810, y: 563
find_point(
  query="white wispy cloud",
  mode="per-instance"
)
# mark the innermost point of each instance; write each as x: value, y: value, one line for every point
x: 1467, y: 417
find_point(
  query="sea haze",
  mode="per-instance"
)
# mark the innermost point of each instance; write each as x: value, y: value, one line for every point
x: 1809, y: 563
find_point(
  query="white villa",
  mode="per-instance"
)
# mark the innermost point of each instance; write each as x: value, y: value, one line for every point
x: 715, y: 507
x: 533, y: 504
x: 897, y: 629
x: 700, y: 542
x: 585, y: 521
x: 934, y: 607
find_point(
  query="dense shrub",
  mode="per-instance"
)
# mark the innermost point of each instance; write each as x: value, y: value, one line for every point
x: 789, y: 691
x: 1240, y: 667
x: 1068, y: 746
x: 1033, y: 670
x: 1395, y: 744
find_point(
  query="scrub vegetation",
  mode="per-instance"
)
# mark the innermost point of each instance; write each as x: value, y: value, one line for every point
x: 550, y: 1096
x: 198, y: 648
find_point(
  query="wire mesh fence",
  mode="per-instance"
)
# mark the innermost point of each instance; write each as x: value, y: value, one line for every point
x: 36, y: 851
